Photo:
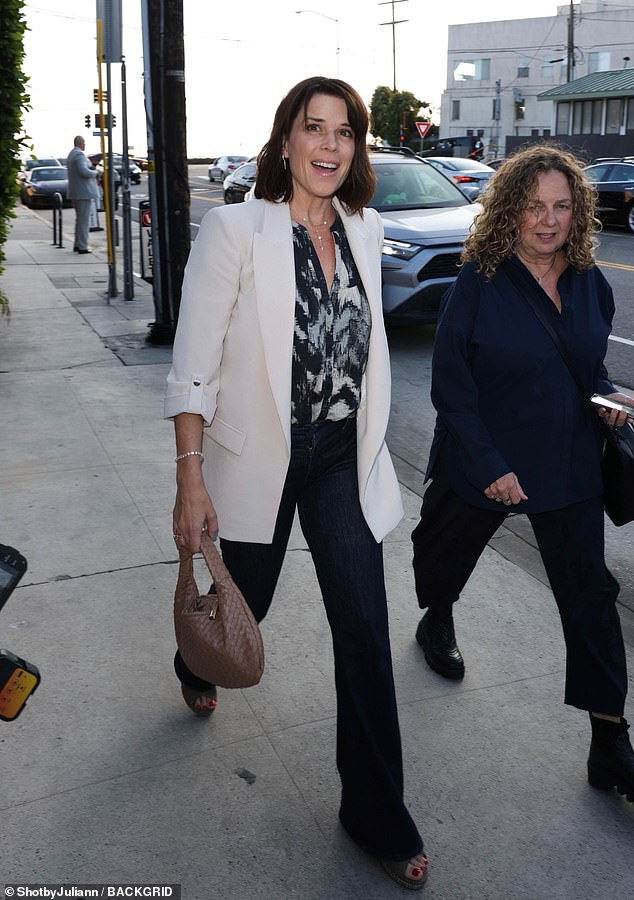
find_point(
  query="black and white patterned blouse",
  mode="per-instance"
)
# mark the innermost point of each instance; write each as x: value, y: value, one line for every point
x: 332, y: 332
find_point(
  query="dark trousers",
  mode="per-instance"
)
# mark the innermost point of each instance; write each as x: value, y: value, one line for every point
x: 450, y: 538
x: 322, y: 485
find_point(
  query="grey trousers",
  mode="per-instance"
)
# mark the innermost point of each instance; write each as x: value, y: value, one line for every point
x: 82, y: 223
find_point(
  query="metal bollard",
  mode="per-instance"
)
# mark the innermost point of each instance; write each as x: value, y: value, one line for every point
x: 58, y: 204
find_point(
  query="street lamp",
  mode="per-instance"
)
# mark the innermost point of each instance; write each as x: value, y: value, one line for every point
x: 314, y: 12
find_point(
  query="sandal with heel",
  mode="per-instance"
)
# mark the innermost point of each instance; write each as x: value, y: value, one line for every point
x: 406, y: 873
x: 201, y: 703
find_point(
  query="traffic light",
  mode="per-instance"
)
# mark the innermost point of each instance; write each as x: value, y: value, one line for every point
x: 114, y: 121
x: 87, y: 120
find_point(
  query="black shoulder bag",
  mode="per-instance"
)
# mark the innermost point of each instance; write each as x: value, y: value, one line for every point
x: 617, y: 463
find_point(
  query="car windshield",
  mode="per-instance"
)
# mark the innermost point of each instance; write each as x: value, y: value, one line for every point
x: 56, y: 174
x: 236, y: 159
x: 413, y: 186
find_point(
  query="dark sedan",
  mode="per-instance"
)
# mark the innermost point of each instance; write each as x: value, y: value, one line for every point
x: 614, y: 183
x: 238, y: 183
x: 42, y: 184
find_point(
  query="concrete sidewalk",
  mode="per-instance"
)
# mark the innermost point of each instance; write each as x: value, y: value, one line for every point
x: 107, y: 777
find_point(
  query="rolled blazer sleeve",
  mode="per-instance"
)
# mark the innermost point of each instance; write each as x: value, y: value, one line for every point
x: 454, y: 391
x: 210, y: 290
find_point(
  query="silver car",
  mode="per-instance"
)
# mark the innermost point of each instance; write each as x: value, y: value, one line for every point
x: 426, y: 218
x: 224, y: 165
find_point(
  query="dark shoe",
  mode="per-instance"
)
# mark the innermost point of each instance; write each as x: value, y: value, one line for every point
x: 85, y: 251
x: 75, y: 249
x: 436, y: 635
x: 201, y: 703
x: 611, y: 759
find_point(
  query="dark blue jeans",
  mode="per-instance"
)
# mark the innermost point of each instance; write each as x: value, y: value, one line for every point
x: 322, y: 485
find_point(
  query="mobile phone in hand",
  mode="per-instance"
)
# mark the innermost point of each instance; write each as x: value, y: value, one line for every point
x: 607, y: 403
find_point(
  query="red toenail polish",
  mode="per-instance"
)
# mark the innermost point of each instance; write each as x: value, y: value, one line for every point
x: 416, y: 873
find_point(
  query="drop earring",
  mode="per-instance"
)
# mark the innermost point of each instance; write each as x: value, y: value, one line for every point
x: 284, y: 162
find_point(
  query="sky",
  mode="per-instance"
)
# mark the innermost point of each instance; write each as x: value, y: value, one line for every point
x: 240, y: 60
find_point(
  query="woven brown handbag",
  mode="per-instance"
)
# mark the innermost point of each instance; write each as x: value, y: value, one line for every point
x: 216, y: 634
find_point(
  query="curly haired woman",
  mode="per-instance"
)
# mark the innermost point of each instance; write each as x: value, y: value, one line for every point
x: 515, y: 435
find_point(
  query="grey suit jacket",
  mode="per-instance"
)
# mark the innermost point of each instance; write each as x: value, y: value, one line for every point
x: 82, y: 184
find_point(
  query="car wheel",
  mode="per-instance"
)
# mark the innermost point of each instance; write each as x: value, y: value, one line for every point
x: 629, y: 217
x: 228, y: 197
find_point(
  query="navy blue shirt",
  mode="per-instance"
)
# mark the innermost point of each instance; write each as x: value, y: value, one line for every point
x: 505, y: 399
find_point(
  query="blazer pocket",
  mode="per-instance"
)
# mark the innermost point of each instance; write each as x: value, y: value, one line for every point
x: 227, y: 436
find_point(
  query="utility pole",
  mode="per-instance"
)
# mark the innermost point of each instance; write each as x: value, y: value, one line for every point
x: 570, y: 66
x: 164, y: 63
x: 393, y: 22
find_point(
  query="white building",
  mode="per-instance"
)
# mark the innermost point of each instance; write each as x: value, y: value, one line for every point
x: 496, y: 70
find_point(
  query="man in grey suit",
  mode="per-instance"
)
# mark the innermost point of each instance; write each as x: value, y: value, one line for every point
x: 82, y: 190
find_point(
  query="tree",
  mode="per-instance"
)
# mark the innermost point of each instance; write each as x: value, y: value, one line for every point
x: 394, y: 114
x: 13, y: 101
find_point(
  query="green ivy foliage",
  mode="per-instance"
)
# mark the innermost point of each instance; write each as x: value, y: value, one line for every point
x: 14, y: 100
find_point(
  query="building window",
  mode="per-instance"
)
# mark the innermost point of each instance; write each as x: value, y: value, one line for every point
x: 598, y: 62
x: 455, y: 110
x: 563, y: 118
x: 547, y: 71
x: 614, y: 116
x: 630, y: 116
x: 472, y: 70
x: 597, y: 116
x: 586, y: 117
x: 546, y: 132
x: 523, y: 68
x: 519, y: 103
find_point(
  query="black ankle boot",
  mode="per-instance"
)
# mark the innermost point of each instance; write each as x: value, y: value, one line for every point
x: 611, y: 759
x: 436, y: 635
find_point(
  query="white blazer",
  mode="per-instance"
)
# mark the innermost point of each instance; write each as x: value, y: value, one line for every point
x: 232, y: 365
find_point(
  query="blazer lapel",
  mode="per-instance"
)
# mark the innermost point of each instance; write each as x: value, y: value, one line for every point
x: 274, y: 274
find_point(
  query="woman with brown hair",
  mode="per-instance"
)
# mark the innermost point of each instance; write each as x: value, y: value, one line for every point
x: 514, y: 434
x: 280, y: 394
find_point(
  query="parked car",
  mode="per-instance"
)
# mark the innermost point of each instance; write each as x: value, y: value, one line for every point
x: 223, y: 166
x: 426, y: 218
x: 41, y: 184
x: 117, y: 164
x: 470, y: 175
x: 238, y: 183
x: 614, y: 182
x: 30, y: 164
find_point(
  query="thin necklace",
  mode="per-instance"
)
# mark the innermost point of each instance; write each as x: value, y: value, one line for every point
x: 316, y: 228
x: 538, y: 278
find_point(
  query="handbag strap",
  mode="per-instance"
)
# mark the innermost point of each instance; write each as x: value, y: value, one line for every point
x: 529, y: 291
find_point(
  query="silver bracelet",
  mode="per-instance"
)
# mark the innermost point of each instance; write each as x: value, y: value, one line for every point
x: 190, y: 453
